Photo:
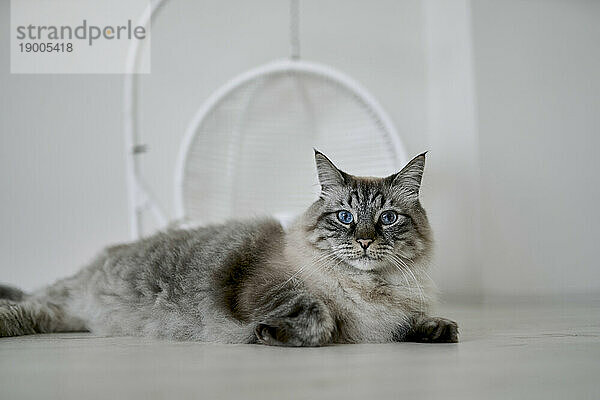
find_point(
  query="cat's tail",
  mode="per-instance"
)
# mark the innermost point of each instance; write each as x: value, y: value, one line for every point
x: 23, y: 314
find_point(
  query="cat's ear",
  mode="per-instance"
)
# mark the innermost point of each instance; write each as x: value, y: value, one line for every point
x: 329, y: 175
x: 408, y: 180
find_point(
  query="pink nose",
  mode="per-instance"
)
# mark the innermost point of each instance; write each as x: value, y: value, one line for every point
x: 364, y: 243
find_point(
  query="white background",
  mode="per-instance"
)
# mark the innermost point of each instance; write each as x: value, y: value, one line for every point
x: 510, y: 118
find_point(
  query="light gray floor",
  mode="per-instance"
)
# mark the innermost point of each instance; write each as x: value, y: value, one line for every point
x: 510, y: 351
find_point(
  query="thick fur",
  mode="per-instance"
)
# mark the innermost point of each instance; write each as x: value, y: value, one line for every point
x: 11, y: 293
x: 251, y: 282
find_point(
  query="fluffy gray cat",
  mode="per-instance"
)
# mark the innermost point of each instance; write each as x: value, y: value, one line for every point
x: 351, y: 269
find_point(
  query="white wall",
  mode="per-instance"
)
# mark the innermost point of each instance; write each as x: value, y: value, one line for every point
x: 61, y: 156
x: 538, y: 80
x: 452, y: 189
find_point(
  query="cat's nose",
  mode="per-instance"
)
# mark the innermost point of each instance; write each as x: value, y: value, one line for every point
x: 364, y: 243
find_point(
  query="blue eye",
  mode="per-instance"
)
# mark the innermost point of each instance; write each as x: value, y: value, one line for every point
x: 388, y: 217
x: 345, y: 217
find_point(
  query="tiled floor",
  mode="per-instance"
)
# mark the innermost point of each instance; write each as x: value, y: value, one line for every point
x: 548, y: 350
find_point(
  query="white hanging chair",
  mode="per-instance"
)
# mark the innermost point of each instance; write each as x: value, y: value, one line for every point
x: 248, y: 149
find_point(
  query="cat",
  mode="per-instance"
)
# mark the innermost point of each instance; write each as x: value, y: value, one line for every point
x: 351, y: 269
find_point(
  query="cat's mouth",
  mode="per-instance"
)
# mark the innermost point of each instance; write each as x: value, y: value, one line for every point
x: 361, y: 256
x: 364, y: 262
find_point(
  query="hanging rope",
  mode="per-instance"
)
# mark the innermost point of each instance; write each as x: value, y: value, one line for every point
x: 294, y: 30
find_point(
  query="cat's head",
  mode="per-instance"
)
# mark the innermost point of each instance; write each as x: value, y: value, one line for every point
x: 367, y: 222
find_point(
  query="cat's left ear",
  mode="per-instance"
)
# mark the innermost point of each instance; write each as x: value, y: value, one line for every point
x: 409, y: 178
x: 330, y: 176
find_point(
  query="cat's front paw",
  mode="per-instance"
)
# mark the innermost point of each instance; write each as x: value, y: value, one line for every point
x: 278, y: 332
x: 434, y: 330
x: 308, y: 324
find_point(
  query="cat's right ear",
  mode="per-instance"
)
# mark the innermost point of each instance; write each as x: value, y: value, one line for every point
x: 409, y: 179
x: 329, y: 175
